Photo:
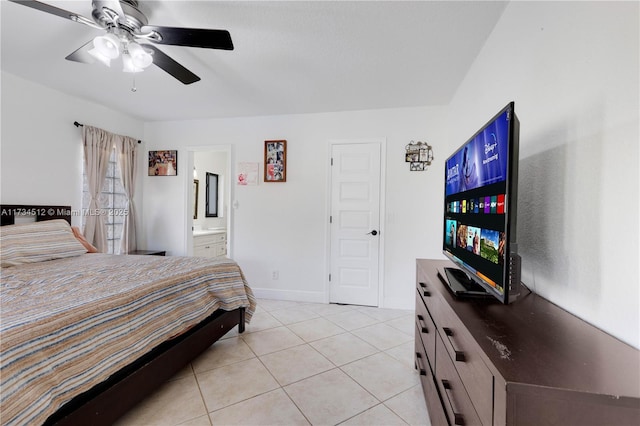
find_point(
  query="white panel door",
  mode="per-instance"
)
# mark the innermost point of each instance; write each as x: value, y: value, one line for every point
x: 355, y: 223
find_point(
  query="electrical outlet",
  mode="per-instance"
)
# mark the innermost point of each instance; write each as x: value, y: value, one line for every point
x: 275, y: 274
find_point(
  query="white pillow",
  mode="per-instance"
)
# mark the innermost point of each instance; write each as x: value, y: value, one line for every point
x: 37, y: 242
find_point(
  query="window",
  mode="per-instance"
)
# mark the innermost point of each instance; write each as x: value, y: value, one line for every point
x: 113, y: 197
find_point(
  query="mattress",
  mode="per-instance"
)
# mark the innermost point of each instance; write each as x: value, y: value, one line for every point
x: 69, y: 324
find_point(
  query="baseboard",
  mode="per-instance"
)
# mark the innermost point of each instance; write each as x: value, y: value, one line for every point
x: 320, y: 297
x: 292, y: 295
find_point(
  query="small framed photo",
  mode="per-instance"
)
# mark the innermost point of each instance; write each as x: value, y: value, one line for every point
x: 417, y: 166
x: 413, y: 153
x: 163, y: 163
x: 412, y: 157
x: 275, y: 161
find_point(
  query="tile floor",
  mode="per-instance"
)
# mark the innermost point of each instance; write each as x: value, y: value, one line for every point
x: 298, y: 364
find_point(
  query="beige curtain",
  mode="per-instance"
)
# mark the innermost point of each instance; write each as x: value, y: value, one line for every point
x: 127, y: 163
x: 98, y: 144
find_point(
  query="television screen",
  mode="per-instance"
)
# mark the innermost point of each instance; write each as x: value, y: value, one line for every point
x: 480, y: 206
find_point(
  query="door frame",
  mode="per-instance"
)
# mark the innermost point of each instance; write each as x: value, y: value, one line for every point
x: 229, y: 188
x: 383, y: 184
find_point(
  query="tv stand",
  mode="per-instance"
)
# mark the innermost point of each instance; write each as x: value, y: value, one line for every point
x: 460, y: 284
x: 527, y: 363
x: 462, y: 277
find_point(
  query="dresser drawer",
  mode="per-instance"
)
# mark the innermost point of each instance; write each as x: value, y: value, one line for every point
x: 455, y: 399
x: 430, y: 296
x: 427, y: 380
x: 426, y: 328
x: 464, y: 352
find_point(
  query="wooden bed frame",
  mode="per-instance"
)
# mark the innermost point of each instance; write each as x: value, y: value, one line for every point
x: 109, y: 400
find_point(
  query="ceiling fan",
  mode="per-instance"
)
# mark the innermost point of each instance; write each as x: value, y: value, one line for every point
x: 129, y: 36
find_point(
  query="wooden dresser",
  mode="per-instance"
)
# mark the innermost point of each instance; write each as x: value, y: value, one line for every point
x: 527, y: 363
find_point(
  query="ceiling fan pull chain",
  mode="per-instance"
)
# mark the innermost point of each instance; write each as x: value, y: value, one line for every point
x: 133, y: 88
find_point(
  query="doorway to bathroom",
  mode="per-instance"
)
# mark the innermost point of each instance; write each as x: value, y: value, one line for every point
x: 210, y: 216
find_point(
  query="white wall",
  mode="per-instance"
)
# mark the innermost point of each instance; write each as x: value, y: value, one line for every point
x: 41, y: 152
x: 283, y: 226
x: 572, y: 69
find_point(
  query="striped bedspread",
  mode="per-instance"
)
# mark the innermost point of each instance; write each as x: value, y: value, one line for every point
x: 68, y: 324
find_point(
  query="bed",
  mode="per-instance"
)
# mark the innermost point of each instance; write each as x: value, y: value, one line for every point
x: 84, y: 337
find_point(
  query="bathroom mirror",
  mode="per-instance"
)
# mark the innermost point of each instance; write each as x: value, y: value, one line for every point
x: 196, y: 186
x: 211, y: 209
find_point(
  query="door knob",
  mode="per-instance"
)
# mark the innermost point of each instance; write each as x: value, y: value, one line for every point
x: 374, y: 233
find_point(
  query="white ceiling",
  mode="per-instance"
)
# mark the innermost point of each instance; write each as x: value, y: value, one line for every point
x: 289, y: 57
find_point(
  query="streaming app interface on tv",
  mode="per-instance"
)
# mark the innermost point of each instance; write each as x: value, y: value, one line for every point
x: 475, y: 202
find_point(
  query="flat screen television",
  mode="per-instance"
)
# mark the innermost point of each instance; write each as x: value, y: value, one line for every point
x: 480, y: 211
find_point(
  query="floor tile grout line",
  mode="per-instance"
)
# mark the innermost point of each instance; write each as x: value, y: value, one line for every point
x: 256, y: 356
x: 230, y: 363
x: 269, y: 371
x: 204, y: 402
x: 283, y: 388
x: 309, y: 341
x: 316, y: 374
x: 355, y: 380
x: 349, y: 377
x: 247, y: 398
x: 370, y: 408
x: 209, y: 413
x: 297, y: 407
x: 398, y: 394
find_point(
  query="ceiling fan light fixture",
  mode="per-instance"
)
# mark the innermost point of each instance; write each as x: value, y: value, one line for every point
x: 108, y: 45
x: 100, y: 57
x: 128, y: 65
x: 140, y: 57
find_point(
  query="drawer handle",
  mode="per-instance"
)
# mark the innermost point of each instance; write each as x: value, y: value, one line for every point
x: 425, y: 292
x: 420, y: 367
x: 459, y: 354
x: 457, y: 417
x: 423, y: 326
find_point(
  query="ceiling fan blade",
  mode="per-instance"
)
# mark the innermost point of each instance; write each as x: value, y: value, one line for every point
x: 82, y: 54
x: 192, y: 37
x: 169, y: 65
x: 43, y: 7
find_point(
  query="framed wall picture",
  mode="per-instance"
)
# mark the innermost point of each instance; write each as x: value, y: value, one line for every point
x: 275, y: 161
x: 163, y: 163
